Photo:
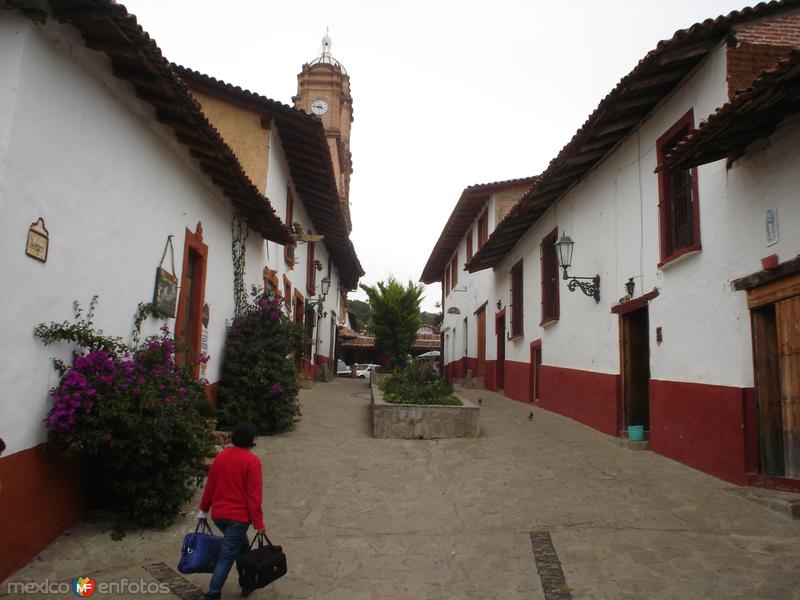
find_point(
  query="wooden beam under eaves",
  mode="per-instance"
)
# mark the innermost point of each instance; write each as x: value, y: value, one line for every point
x: 584, y: 157
x: 110, y: 46
x: 196, y: 143
x: 599, y: 142
x: 176, y: 122
x: 619, y: 124
x: 621, y: 106
x: 156, y: 97
x: 77, y: 13
x: 654, y: 80
x: 687, y: 52
x: 134, y: 75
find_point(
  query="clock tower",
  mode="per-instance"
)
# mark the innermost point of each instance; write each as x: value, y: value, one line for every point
x: 323, y: 89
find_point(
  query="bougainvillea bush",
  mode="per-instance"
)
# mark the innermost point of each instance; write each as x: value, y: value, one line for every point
x: 137, y: 417
x: 259, y: 381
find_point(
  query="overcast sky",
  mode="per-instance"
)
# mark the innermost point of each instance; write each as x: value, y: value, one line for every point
x: 446, y: 94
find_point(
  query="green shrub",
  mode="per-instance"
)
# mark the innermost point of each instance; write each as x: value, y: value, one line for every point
x: 259, y: 381
x: 417, y: 384
x: 135, y: 415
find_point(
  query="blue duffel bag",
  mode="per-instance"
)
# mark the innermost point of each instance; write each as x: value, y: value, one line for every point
x: 200, y: 550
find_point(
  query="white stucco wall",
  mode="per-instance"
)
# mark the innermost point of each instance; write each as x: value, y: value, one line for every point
x: 278, y: 180
x: 478, y: 288
x: 79, y: 150
x: 613, y: 217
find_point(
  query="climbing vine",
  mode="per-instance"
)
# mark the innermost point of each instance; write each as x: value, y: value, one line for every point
x: 239, y: 232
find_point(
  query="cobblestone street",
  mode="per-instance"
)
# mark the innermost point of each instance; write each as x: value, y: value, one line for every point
x: 361, y: 518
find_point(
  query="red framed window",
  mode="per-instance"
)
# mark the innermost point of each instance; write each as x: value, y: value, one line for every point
x: 470, y: 254
x: 517, y: 304
x: 311, y: 270
x: 446, y: 282
x: 549, y: 268
x: 483, y: 229
x: 454, y: 271
x: 271, y: 286
x: 678, y: 200
x: 288, y: 249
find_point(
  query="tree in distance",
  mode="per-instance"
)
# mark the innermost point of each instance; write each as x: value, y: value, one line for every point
x: 394, y: 319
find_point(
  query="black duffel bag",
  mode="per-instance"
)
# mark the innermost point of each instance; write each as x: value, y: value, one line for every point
x: 258, y: 567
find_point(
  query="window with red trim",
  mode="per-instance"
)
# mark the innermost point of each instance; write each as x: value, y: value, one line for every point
x: 311, y: 270
x: 446, y: 282
x: 289, y: 249
x: 470, y: 254
x: 678, y: 200
x: 517, y: 303
x: 483, y: 229
x: 271, y: 286
x: 549, y: 264
x: 454, y: 271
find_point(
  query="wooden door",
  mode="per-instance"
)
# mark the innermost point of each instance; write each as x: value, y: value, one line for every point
x: 480, y: 320
x: 788, y: 329
x: 768, y: 391
x: 635, y: 365
x: 775, y: 311
x: 501, y: 351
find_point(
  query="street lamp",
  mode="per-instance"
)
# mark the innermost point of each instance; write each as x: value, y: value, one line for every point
x: 589, y: 285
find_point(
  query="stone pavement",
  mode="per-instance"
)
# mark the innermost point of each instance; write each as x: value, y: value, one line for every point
x: 362, y: 518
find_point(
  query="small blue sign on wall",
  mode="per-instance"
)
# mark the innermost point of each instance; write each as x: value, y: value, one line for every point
x: 771, y: 223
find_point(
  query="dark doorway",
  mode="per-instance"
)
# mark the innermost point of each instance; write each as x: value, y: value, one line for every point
x: 536, y: 362
x: 480, y: 320
x: 501, y: 351
x: 635, y: 366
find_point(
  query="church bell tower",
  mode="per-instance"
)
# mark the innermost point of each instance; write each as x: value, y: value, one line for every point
x: 323, y: 89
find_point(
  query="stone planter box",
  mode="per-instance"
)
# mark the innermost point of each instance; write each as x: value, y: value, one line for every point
x: 414, y: 422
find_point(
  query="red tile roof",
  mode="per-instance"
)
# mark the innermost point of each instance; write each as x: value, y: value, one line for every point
x: 108, y: 27
x: 620, y: 112
x: 423, y: 342
x: 467, y: 209
x: 753, y: 114
x: 308, y: 154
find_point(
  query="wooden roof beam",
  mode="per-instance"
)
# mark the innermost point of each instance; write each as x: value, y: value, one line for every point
x: 687, y: 52
x: 584, y: 157
x: 625, y: 105
x: 110, y: 46
x: 644, y: 83
x: 135, y: 76
x: 619, y: 124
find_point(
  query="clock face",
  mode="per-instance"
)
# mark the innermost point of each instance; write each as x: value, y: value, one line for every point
x: 319, y: 107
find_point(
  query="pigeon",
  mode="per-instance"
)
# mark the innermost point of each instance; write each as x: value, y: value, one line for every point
x: 480, y: 400
x: 530, y: 416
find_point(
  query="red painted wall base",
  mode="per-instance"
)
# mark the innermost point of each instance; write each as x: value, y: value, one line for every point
x: 518, y: 381
x: 700, y: 425
x: 588, y: 397
x: 42, y: 496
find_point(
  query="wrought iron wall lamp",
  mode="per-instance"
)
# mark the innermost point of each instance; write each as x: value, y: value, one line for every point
x: 324, y: 288
x: 589, y: 285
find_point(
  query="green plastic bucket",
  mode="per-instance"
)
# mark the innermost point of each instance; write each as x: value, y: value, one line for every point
x: 636, y: 433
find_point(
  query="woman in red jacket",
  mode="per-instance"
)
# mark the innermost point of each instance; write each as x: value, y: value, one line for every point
x: 233, y: 493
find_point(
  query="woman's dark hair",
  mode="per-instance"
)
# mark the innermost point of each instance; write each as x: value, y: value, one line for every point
x: 244, y: 435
